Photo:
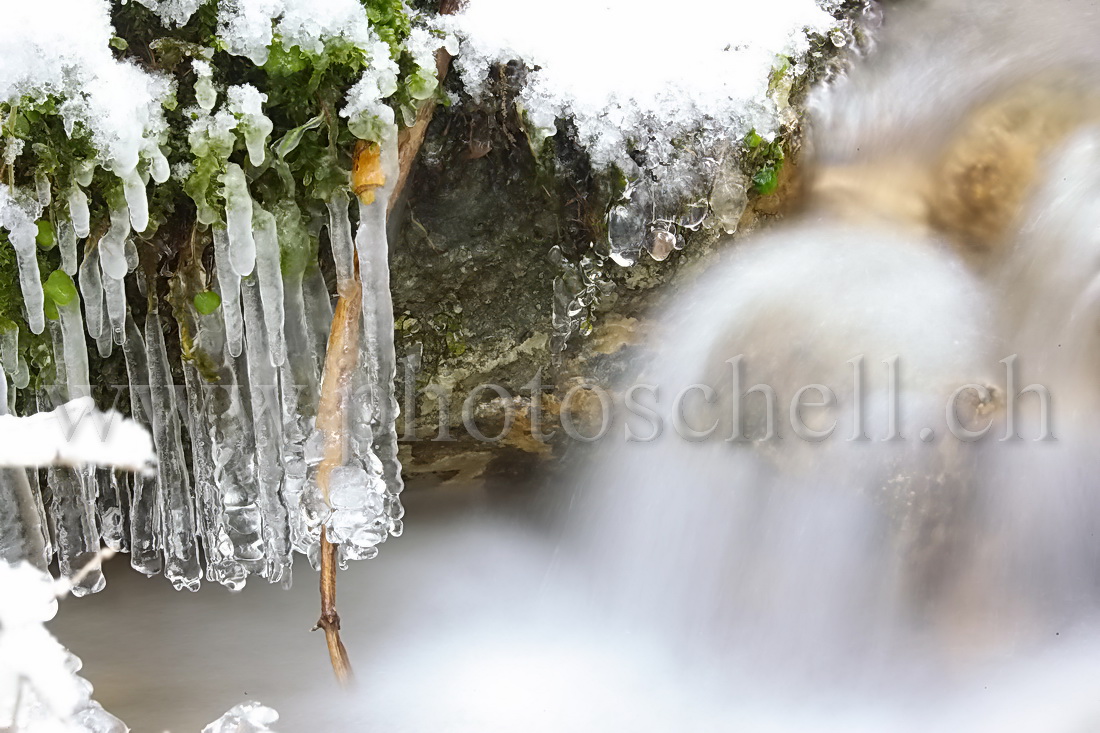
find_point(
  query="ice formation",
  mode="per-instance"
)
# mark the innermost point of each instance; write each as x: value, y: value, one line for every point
x: 18, y: 214
x: 658, y: 92
x: 248, y: 717
x: 40, y: 690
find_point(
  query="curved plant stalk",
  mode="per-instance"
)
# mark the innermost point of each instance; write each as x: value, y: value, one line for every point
x: 342, y: 357
x: 341, y: 361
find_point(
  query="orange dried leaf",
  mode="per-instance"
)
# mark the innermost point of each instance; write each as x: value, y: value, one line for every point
x: 366, y: 171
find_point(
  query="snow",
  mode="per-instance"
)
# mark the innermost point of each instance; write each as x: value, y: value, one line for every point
x: 364, y: 108
x: 40, y: 691
x: 248, y: 717
x: 625, y: 70
x: 40, y: 688
x: 75, y: 434
x: 60, y: 47
x: 247, y: 27
x: 246, y: 103
x: 663, y: 93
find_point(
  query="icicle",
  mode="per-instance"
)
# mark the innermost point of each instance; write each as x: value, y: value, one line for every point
x: 238, y: 221
x: 22, y: 376
x: 111, y: 510
x: 137, y: 200
x: 114, y: 293
x: 79, y: 213
x: 267, y: 431
x: 45, y: 522
x: 42, y: 189
x: 178, y: 514
x: 22, y: 240
x: 205, y: 93
x: 83, y: 172
x: 222, y: 566
x: 145, y: 502
x: 66, y: 237
x: 74, y: 350
x: 377, y: 343
x: 21, y: 531
x: 229, y: 283
x: 10, y: 357
x: 319, y: 312
x: 112, y: 245
x: 246, y: 103
x: 9, y: 345
x: 159, y: 168
x: 91, y: 292
x: 132, y: 257
x: 339, y: 235
x: 299, y: 375
x: 105, y: 344
x: 72, y: 507
x: 233, y: 453
x: 364, y: 493
x: 269, y: 278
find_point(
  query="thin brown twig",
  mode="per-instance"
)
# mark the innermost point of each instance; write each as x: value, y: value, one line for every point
x: 342, y: 360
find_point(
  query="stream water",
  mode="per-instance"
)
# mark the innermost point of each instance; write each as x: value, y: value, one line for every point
x: 901, y: 572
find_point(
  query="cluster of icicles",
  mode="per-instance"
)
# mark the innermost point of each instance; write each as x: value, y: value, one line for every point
x: 247, y: 498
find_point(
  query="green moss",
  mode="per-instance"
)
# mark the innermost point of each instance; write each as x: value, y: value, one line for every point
x: 763, y: 160
x: 766, y: 180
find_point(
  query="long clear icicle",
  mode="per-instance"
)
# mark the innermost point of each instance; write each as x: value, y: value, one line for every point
x: 339, y: 235
x: 145, y: 499
x: 112, y: 245
x: 22, y: 535
x: 232, y: 451
x: 74, y: 350
x: 91, y: 292
x: 181, y: 559
x: 229, y: 283
x: 372, y: 245
x: 238, y: 221
x: 222, y: 566
x: 114, y: 296
x: 299, y: 377
x: 268, y: 435
x: 22, y: 240
x: 78, y: 212
x: 269, y: 278
x: 68, y: 244
x: 72, y: 507
x: 111, y: 507
x: 365, y: 493
x: 318, y: 304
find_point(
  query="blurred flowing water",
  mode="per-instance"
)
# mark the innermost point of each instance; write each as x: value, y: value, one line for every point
x: 850, y: 583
